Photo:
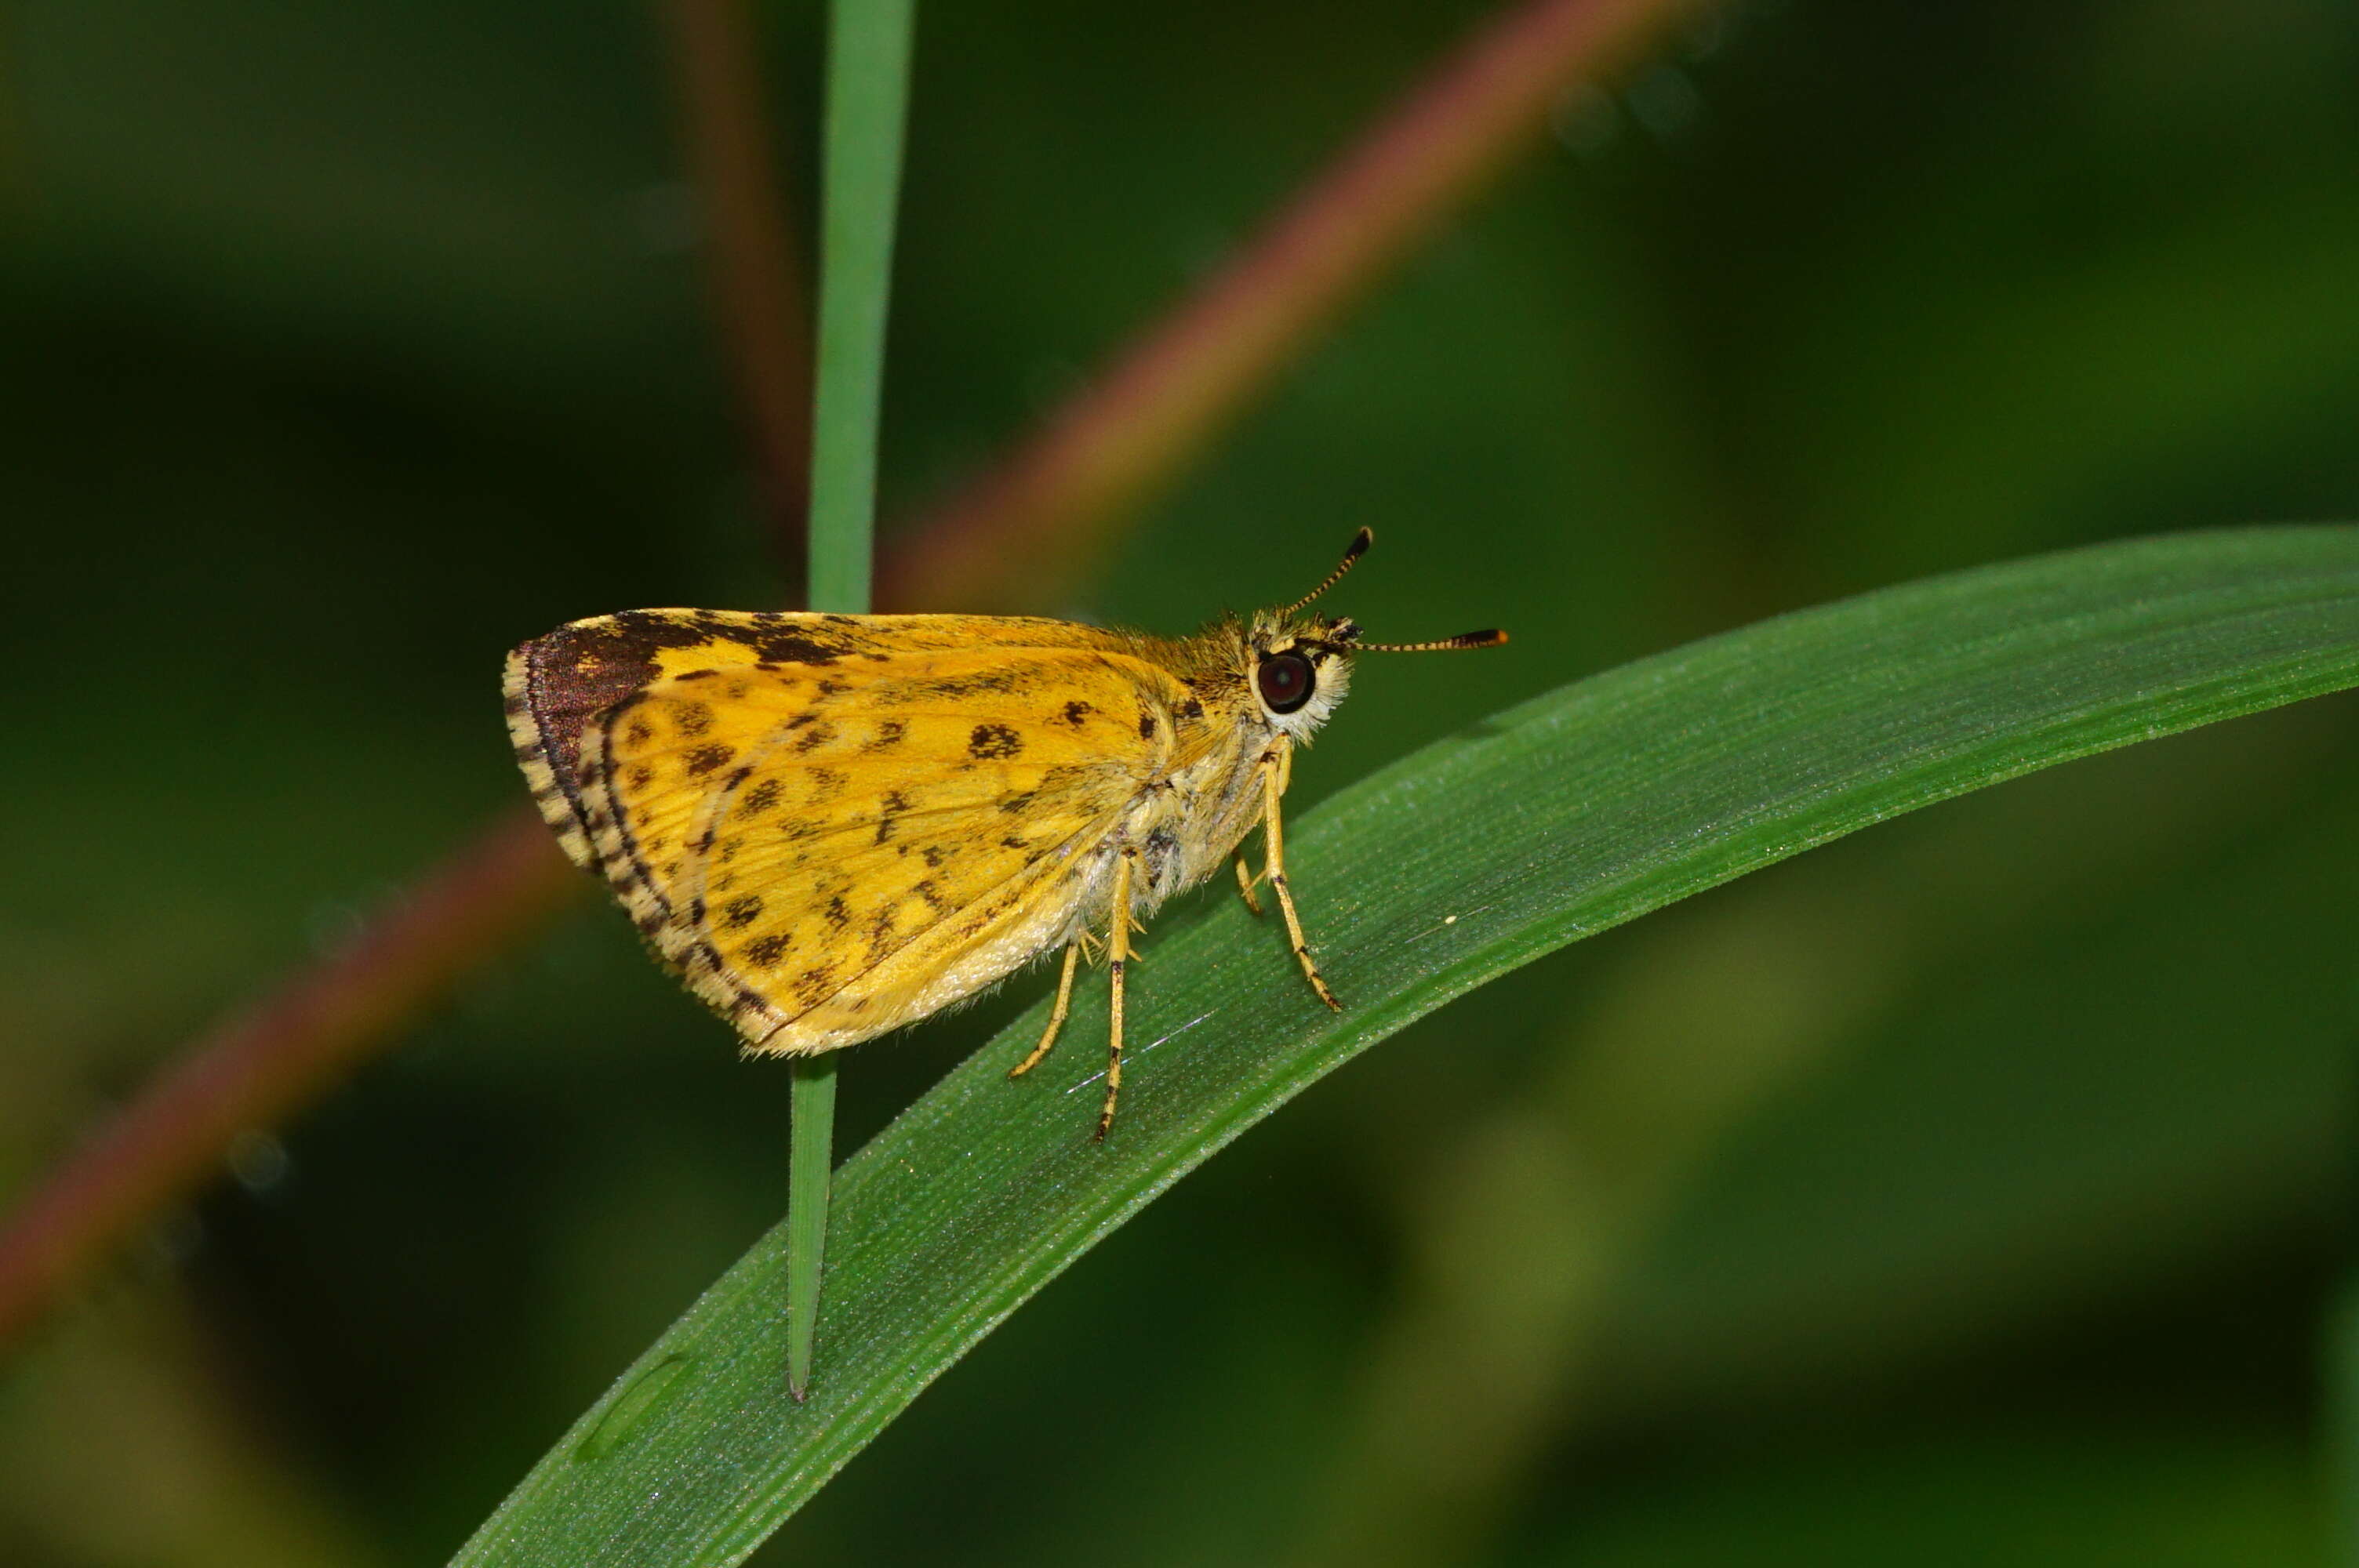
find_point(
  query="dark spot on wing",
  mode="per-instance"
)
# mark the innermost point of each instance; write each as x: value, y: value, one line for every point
x: 706, y: 758
x: 650, y: 628
x: 812, y: 738
x: 955, y: 689
x: 740, y: 913
x: 992, y: 741
x: 889, y: 732
x: 790, y: 647
x: 1146, y: 725
x: 1077, y: 711
x: 815, y: 986
x: 764, y: 952
x: 758, y: 799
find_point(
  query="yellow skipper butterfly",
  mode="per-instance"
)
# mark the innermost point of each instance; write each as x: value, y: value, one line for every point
x: 830, y: 826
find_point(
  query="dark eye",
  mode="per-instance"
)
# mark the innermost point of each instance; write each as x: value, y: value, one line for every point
x: 1286, y: 682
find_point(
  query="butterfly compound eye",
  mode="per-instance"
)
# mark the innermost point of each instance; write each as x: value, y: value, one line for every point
x: 1286, y: 682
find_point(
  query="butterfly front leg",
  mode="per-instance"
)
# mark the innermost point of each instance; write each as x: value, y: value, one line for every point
x: 1246, y: 878
x: 1274, y: 770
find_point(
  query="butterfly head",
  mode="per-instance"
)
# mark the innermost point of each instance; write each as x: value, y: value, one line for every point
x: 1301, y: 669
x: 1302, y: 664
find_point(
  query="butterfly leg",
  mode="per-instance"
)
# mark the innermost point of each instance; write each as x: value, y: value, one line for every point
x: 1245, y: 881
x: 1056, y: 1014
x: 1273, y: 840
x: 1117, y: 955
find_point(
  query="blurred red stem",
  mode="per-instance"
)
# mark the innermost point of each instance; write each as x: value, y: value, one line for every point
x: 1038, y: 522
x: 1045, y: 517
x: 761, y: 292
x: 254, y: 1069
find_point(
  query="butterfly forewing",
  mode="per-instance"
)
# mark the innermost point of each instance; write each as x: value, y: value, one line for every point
x: 557, y: 686
x: 828, y: 849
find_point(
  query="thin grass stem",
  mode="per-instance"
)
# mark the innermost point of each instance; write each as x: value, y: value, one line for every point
x: 868, y: 107
x: 809, y: 1162
x: 867, y: 100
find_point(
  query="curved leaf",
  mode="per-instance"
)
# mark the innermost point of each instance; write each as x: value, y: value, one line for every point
x: 1566, y: 816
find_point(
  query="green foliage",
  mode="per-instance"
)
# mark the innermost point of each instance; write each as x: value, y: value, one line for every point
x: 1967, y: 1177
x: 1558, y: 819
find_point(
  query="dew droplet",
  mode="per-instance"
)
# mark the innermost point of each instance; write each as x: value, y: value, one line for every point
x: 1666, y: 101
x: 1584, y: 120
x: 631, y: 1408
x: 257, y: 1160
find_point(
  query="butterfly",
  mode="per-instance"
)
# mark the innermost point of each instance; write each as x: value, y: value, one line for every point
x: 830, y: 826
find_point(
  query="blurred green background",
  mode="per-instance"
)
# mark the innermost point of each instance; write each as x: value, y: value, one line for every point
x: 1968, y: 1192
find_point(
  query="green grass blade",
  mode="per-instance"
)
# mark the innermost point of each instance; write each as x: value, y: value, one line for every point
x: 868, y: 112
x: 1560, y: 818
x: 811, y: 1160
x: 860, y: 192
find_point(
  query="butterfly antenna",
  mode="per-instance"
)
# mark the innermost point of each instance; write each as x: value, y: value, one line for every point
x: 1358, y: 547
x: 1486, y: 639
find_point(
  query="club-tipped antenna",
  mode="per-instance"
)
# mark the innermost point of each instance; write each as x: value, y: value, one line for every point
x: 1352, y: 552
x: 1489, y: 638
